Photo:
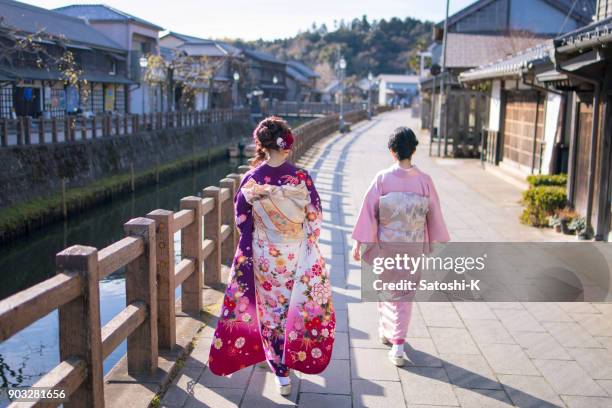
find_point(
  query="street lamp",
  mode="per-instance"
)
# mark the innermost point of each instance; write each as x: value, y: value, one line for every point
x: 370, y: 79
x: 273, y: 91
x: 143, y: 62
x: 236, y: 77
x: 342, y: 67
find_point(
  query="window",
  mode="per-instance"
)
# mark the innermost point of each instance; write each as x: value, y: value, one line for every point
x: 97, y: 98
x: 56, y: 102
x: 6, y: 101
x: 113, y: 67
x: 120, y: 98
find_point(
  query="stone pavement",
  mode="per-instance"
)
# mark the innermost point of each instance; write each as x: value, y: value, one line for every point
x: 461, y: 354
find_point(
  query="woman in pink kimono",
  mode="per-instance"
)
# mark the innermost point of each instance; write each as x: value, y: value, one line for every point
x: 401, y: 205
x: 278, y: 302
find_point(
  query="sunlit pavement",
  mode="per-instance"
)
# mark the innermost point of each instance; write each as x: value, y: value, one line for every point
x: 461, y: 354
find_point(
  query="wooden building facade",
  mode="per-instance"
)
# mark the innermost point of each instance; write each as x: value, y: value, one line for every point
x: 483, y: 32
x: 36, y: 80
x: 553, y: 105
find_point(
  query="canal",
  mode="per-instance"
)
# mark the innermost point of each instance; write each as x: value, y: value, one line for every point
x: 24, y: 262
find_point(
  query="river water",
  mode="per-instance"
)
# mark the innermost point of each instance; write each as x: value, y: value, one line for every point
x: 35, y: 350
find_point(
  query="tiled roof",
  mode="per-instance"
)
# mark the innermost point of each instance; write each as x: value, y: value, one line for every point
x: 30, y: 19
x: 262, y: 56
x: 595, y: 33
x: 221, y: 48
x: 102, y: 12
x: 474, y: 50
x: 203, y: 49
x: 303, y: 68
x: 295, y: 74
x: 188, y: 38
x: 582, y: 9
x: 512, y: 65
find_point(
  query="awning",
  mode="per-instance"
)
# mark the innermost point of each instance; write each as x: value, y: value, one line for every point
x: 33, y: 74
x: 118, y: 57
x: 512, y: 66
x: 551, y: 76
x: 5, y: 77
x: 77, y: 47
x: 107, y: 78
x: 427, y: 83
x: 594, y: 35
x: 17, y: 74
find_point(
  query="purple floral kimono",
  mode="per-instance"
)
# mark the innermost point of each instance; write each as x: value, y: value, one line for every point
x: 278, y: 303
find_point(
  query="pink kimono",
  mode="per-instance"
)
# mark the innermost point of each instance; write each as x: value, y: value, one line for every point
x: 401, y: 205
x: 278, y: 303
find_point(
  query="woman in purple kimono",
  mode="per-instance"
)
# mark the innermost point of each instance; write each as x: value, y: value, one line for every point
x: 401, y: 205
x: 278, y: 303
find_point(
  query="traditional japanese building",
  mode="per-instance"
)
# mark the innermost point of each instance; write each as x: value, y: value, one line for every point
x: 583, y: 68
x: 212, y: 80
x: 140, y: 38
x: 267, y: 74
x: 34, y: 83
x: 549, y: 113
x: 301, y: 82
x: 524, y: 130
x: 396, y: 90
x: 486, y: 31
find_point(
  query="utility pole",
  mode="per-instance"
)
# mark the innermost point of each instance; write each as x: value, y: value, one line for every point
x: 432, y: 119
x: 443, y: 87
x: 341, y: 67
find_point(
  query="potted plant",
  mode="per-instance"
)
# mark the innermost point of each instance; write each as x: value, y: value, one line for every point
x: 566, y: 216
x: 579, y: 226
x: 554, y: 222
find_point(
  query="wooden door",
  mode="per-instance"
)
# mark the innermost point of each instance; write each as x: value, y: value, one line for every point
x: 523, y: 120
x: 583, y: 148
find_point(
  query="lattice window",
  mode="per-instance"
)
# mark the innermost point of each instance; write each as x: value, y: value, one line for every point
x: 6, y: 101
x: 57, y: 102
x: 97, y: 98
x: 120, y: 98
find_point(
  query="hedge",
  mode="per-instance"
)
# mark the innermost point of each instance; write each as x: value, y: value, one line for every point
x: 541, y: 202
x: 547, y: 180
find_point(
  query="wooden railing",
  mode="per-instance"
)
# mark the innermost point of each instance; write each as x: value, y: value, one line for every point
x: 26, y: 130
x: 148, y: 322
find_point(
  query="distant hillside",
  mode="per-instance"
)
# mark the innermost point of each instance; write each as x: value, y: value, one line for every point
x: 378, y: 46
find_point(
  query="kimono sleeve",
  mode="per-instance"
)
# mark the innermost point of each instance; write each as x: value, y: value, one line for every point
x: 366, y: 227
x: 314, y: 212
x: 436, y: 227
x: 243, y: 210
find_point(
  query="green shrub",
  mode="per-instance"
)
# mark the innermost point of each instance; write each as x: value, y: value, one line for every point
x: 578, y: 224
x: 547, y: 180
x: 540, y: 203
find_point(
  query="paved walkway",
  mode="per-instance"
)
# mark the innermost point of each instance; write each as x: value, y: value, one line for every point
x: 462, y: 354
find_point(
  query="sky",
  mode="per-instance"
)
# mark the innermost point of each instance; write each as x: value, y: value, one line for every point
x: 267, y: 19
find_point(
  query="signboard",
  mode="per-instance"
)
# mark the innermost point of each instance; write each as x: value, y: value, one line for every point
x: 553, y: 107
x: 495, y: 106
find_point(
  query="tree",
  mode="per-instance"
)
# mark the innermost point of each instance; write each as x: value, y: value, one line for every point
x: 385, y: 46
x: 193, y: 71
x: 365, y: 25
x: 414, y: 61
x: 45, y: 51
